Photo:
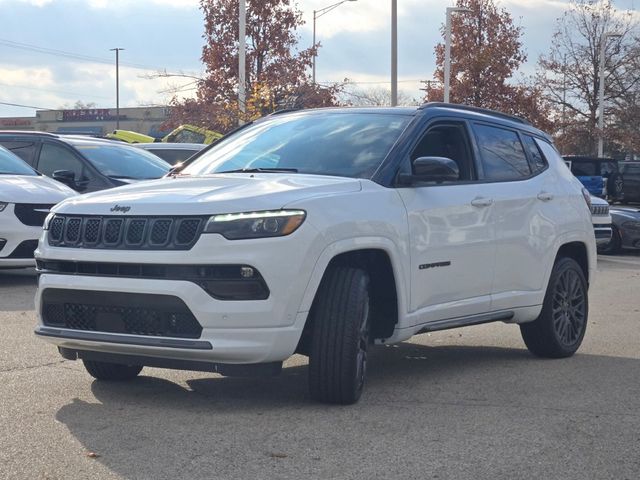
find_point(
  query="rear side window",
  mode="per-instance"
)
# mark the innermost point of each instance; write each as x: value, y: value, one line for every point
x: 584, y: 169
x: 538, y: 163
x: 24, y: 149
x: 501, y: 153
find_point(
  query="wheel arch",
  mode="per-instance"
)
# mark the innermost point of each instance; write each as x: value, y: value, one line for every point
x: 386, y: 283
x: 577, y: 251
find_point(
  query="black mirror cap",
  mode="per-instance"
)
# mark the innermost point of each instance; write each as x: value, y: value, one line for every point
x: 65, y: 176
x: 435, y: 169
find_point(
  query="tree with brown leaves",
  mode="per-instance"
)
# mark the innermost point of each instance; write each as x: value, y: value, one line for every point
x: 276, y: 72
x: 486, y: 52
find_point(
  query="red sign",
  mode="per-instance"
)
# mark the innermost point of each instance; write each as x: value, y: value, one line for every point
x: 15, y: 122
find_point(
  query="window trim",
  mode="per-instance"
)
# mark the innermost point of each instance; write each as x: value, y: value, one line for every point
x: 528, y: 154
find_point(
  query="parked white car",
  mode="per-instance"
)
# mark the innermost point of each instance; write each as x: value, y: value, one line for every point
x: 601, y: 219
x: 323, y: 232
x: 25, y: 200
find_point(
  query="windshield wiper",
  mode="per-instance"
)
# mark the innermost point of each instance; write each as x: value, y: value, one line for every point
x: 261, y: 170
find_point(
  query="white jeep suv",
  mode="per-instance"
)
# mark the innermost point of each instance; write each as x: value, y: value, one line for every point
x: 323, y: 232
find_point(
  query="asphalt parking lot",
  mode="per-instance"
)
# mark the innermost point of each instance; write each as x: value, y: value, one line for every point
x: 459, y: 404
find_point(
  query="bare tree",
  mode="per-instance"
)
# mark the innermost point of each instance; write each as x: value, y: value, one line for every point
x: 569, y: 73
x: 373, y: 97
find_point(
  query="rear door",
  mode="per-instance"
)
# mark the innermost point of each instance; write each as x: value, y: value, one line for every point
x: 452, y: 239
x: 525, y: 192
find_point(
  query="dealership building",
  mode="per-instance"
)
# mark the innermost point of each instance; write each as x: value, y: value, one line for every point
x: 92, y: 121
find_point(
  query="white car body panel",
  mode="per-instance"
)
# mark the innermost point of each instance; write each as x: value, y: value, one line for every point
x: 21, y: 189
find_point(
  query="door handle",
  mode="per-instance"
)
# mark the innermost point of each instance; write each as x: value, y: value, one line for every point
x: 545, y: 196
x: 482, y: 202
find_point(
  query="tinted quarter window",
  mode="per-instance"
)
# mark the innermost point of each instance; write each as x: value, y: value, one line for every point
x: 501, y: 153
x: 54, y: 157
x: 584, y: 169
x: 538, y: 163
x: 24, y: 149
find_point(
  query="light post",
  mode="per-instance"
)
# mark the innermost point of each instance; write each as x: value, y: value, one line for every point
x: 117, y: 50
x: 447, y: 49
x: 603, y: 47
x: 317, y: 14
x: 394, y: 53
x: 242, y: 75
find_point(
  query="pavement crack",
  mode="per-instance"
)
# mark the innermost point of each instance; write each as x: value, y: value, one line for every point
x: 31, y: 367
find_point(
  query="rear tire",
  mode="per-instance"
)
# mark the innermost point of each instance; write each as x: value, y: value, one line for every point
x: 340, y: 340
x: 560, y: 328
x: 111, y: 371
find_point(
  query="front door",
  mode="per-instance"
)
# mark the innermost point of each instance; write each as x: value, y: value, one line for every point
x: 451, y: 233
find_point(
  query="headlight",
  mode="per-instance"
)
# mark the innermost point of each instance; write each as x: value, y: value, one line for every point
x: 274, y: 223
x: 47, y: 220
x: 3, y: 205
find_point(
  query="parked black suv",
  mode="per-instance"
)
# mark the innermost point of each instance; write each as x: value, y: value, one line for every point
x: 85, y: 164
x: 631, y: 172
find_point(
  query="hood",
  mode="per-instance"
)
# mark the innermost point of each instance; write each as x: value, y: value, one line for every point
x: 32, y: 189
x: 208, y: 195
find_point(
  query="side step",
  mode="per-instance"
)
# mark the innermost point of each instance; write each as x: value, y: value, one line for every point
x: 466, y: 321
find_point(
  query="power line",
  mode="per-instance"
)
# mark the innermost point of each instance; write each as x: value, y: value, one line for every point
x: 25, y: 106
x: 51, y: 91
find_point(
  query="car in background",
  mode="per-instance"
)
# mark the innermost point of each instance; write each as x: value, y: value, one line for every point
x: 631, y: 173
x: 172, y: 153
x: 601, y: 176
x: 601, y: 219
x: 129, y: 137
x: 625, y: 230
x: 192, y: 134
x: 84, y: 164
x: 25, y: 200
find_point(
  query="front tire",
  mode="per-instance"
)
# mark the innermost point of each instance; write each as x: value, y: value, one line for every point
x: 111, y: 371
x: 560, y: 328
x: 340, y: 340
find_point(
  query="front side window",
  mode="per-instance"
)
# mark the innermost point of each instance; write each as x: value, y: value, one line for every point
x: 449, y: 141
x: 55, y: 157
x: 123, y: 161
x: 327, y: 143
x: 501, y: 153
x: 10, y: 164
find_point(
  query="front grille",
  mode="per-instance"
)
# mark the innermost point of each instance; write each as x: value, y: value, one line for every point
x: 599, y: 209
x: 126, y: 233
x: 3, y: 242
x: 24, y: 249
x: 119, y: 312
x: 32, y: 214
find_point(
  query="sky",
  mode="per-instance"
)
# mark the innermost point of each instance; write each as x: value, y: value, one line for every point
x: 56, y: 52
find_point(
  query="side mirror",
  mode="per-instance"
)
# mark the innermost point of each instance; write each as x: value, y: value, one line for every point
x: 65, y: 176
x: 435, y: 169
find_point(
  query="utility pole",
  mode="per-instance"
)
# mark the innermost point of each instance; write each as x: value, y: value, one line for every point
x: 394, y: 53
x: 603, y: 47
x: 242, y: 48
x: 447, y: 49
x: 117, y: 50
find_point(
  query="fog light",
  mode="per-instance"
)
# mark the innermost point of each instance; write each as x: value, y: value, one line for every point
x: 246, y: 272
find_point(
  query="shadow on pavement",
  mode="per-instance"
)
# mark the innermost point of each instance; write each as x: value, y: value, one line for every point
x: 463, y: 404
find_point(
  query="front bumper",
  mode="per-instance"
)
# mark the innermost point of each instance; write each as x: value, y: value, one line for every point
x: 603, y: 234
x: 233, y: 332
x: 14, y: 233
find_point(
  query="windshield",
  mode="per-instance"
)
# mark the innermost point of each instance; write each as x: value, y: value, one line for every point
x: 122, y: 161
x: 331, y: 143
x: 12, y: 165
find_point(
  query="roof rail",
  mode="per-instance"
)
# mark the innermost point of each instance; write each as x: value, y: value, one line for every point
x: 469, y: 108
x: 28, y: 132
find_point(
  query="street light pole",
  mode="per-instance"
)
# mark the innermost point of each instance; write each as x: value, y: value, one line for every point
x: 447, y: 49
x: 117, y: 50
x: 394, y: 53
x: 603, y: 47
x: 317, y: 14
x: 242, y: 48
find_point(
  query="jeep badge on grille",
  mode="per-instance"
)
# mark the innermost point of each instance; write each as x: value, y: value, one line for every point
x: 120, y: 208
